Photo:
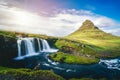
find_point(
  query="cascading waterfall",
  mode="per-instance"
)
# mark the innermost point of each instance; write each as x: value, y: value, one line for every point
x: 19, y: 47
x: 32, y: 46
x: 29, y: 46
x: 46, y: 46
x: 40, y: 49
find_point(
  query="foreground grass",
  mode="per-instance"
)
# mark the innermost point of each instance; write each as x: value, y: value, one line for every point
x: 72, y: 59
x: 27, y: 74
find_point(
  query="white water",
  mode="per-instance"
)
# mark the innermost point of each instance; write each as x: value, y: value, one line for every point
x: 29, y: 47
x: 19, y: 44
x: 111, y: 63
x: 45, y: 45
x: 39, y: 44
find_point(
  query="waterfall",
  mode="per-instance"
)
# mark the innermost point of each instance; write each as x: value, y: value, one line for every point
x: 32, y: 46
x: 46, y: 46
x: 39, y: 44
x: 19, y: 47
x: 29, y: 46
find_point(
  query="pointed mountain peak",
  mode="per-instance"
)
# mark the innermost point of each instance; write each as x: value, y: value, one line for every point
x: 87, y: 24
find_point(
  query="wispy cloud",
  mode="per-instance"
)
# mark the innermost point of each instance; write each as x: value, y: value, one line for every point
x: 62, y: 23
x: 114, y: 31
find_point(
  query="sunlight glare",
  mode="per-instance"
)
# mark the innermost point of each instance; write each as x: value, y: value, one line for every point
x: 25, y: 18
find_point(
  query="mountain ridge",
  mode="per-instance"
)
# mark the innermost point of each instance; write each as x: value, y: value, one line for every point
x: 87, y: 24
x: 89, y: 30
x: 92, y: 35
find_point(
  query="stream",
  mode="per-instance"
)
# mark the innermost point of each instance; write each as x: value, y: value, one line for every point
x: 109, y: 69
x: 34, y: 52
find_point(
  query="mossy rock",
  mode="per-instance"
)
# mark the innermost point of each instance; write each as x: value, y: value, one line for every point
x: 72, y: 59
x: 27, y: 74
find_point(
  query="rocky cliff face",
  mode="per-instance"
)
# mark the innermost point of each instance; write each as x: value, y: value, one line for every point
x: 8, y: 49
x: 87, y: 25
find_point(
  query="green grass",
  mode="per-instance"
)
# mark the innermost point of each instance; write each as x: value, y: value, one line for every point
x: 76, y: 46
x: 97, y: 42
x: 101, y: 41
x: 96, y: 37
x: 40, y: 36
x: 72, y: 59
x: 27, y: 74
x: 8, y: 34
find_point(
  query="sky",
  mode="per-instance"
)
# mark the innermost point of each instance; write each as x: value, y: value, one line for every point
x: 58, y: 17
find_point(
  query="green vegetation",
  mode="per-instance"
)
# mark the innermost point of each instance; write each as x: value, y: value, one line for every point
x: 104, y: 43
x: 72, y: 59
x: 15, y: 34
x: 98, y: 38
x: 87, y: 44
x: 8, y: 46
x: 8, y: 34
x: 84, y: 46
x: 39, y: 36
x: 74, y: 47
x: 27, y: 74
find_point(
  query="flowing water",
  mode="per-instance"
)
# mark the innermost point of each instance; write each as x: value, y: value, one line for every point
x: 34, y: 52
x: 27, y: 47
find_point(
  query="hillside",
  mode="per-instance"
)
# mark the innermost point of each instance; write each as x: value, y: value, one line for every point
x: 85, y: 46
x: 88, y: 33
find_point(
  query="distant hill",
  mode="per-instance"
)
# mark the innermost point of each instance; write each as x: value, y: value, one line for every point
x: 89, y: 30
x: 90, y: 34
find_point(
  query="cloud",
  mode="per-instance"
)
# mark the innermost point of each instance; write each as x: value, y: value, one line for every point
x: 114, y: 31
x: 62, y: 23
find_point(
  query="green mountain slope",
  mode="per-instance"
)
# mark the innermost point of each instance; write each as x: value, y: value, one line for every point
x: 88, y: 33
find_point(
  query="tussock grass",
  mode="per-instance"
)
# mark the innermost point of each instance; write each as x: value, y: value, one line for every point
x: 72, y: 59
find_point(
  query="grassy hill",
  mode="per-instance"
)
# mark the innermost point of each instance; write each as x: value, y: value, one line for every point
x: 86, y: 45
x: 88, y: 33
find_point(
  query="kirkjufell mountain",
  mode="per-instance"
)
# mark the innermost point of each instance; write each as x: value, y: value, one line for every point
x: 91, y: 34
x: 87, y: 24
x: 89, y: 30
